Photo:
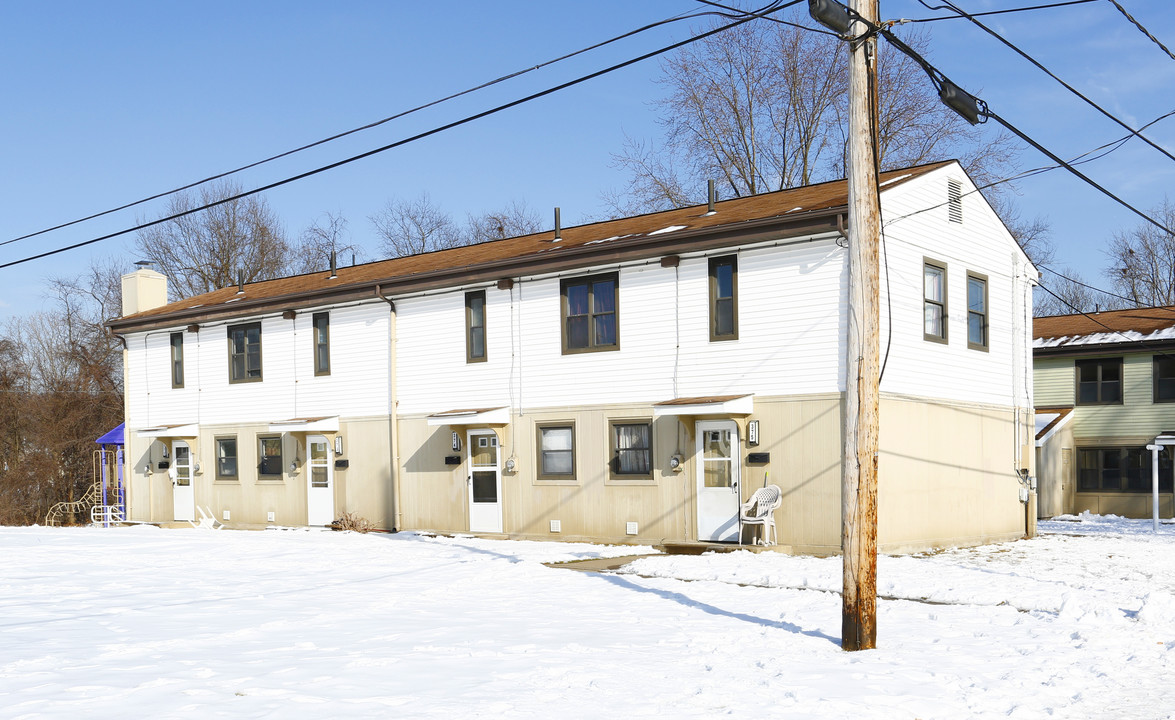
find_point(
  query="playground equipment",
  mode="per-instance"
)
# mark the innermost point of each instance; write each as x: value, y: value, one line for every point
x: 106, y: 498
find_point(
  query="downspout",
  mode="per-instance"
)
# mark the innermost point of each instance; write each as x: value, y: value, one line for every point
x: 393, y: 421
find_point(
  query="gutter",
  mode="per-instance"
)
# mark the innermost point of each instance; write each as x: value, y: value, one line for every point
x: 393, y: 417
x: 556, y: 258
x: 1116, y: 348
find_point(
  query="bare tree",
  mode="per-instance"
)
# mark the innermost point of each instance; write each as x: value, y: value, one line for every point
x: 325, y: 235
x: 1034, y: 236
x: 204, y: 251
x: 1142, y: 261
x: 515, y: 219
x: 763, y: 107
x: 1065, y: 293
x: 410, y: 227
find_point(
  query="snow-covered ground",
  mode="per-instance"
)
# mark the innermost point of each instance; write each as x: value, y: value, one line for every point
x: 142, y: 622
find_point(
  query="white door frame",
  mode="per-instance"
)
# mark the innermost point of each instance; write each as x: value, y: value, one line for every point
x: 183, y: 497
x: 484, y: 515
x: 320, y: 501
x: 717, y: 507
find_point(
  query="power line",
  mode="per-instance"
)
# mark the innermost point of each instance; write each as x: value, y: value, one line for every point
x: 939, y: 80
x: 368, y: 126
x: 951, y: 6
x: 741, y: 12
x: 1107, y: 293
x: 999, y: 12
x: 1085, y: 157
x: 1142, y: 29
x: 773, y: 7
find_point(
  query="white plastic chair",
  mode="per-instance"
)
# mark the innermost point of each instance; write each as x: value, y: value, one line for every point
x: 207, y: 520
x: 760, y: 510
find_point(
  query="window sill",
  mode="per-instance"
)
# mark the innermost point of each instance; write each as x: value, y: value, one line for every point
x: 271, y: 481
x: 569, y: 482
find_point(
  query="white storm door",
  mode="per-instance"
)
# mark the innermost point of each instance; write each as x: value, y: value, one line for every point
x: 320, y: 482
x: 485, y: 483
x: 183, y: 496
x: 717, y: 480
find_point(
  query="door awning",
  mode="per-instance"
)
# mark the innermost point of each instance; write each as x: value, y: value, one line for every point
x: 190, y: 430
x: 473, y: 416
x: 328, y: 424
x: 725, y: 405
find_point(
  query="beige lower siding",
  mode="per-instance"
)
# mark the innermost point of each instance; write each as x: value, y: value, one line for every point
x: 364, y: 487
x: 947, y: 476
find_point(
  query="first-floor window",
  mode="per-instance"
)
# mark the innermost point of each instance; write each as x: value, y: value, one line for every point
x: 632, y: 449
x: 270, y: 452
x: 1121, y: 469
x: 226, y: 458
x: 556, y: 452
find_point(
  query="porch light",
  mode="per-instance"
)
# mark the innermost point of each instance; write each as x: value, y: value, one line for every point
x: 338, y: 444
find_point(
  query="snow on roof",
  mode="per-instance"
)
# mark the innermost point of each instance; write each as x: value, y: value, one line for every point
x: 1102, y: 338
x: 671, y: 228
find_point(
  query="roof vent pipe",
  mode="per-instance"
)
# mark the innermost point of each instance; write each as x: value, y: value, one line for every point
x: 240, y: 281
x: 558, y: 227
x: 710, y: 195
x: 334, y: 268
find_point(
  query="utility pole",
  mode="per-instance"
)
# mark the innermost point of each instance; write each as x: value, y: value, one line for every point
x: 859, y: 461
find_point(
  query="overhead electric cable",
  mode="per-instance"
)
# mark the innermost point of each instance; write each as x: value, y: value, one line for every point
x: 676, y: 18
x: 999, y: 12
x: 939, y: 79
x: 1085, y: 157
x: 764, y: 16
x: 1087, y: 286
x: 1142, y: 29
x: 951, y: 6
x: 774, y: 6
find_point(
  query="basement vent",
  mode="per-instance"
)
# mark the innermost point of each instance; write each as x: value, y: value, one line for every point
x: 954, y: 201
x: 630, y: 528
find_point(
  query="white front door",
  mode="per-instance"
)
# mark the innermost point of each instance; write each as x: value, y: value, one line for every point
x: 183, y: 496
x: 320, y: 481
x: 717, y: 481
x: 485, y: 482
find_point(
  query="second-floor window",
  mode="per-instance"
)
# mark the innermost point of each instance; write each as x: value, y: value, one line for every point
x: 244, y: 353
x: 1164, y: 378
x: 475, y: 326
x: 976, y: 311
x: 934, y: 293
x: 590, y: 313
x: 1099, y: 382
x: 177, y: 360
x: 321, y: 343
x: 724, y: 298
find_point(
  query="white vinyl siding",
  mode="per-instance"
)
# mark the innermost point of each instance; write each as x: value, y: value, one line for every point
x: 358, y: 385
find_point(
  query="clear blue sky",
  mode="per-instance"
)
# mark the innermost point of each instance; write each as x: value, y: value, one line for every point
x: 104, y: 103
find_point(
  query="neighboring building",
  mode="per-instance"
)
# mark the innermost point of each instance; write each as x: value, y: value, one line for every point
x: 1105, y: 389
x: 629, y: 380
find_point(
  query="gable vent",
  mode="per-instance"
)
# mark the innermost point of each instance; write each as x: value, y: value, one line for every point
x: 954, y: 201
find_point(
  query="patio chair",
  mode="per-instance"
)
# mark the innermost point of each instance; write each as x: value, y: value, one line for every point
x: 760, y: 510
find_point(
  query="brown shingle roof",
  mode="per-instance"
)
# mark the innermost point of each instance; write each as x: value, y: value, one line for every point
x: 1114, y: 326
x: 821, y: 199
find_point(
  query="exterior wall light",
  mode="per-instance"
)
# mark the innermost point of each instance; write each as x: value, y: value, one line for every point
x: 338, y: 444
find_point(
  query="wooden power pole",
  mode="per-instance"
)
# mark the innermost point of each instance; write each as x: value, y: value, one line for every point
x: 859, y: 462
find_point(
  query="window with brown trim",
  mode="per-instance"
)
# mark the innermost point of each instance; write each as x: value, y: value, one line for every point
x: 976, y: 311
x: 177, y: 359
x: 556, y: 451
x: 244, y: 353
x: 724, y: 298
x: 1099, y: 382
x: 475, y: 326
x: 321, y: 322
x: 1164, y: 379
x: 226, y: 458
x: 269, y: 450
x: 632, y: 449
x: 590, y: 313
x: 1121, y: 469
x: 934, y: 295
